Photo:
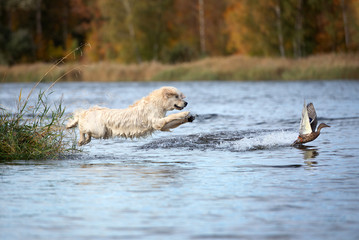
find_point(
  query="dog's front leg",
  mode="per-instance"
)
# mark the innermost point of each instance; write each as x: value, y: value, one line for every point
x: 173, y: 121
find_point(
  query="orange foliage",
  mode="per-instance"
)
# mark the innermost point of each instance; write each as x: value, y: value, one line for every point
x: 166, y: 30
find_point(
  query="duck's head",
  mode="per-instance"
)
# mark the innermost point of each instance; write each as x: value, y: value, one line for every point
x: 322, y: 125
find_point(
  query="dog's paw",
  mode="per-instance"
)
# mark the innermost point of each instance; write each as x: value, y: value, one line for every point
x: 191, y: 118
x: 185, y: 114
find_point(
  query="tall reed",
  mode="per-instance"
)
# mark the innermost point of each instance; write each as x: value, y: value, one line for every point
x: 36, y: 130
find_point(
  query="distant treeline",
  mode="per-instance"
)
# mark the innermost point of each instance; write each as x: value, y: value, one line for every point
x: 170, y: 31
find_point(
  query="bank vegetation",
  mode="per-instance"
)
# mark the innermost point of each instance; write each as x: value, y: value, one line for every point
x: 233, y: 68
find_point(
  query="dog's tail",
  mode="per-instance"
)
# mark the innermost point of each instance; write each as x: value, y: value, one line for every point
x: 74, y: 121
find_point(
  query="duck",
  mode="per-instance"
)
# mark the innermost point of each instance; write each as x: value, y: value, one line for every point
x: 308, y: 125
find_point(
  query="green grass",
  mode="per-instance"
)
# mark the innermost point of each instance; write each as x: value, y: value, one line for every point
x: 35, y: 131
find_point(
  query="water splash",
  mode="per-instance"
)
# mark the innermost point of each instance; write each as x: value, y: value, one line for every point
x: 262, y: 140
x: 226, y: 141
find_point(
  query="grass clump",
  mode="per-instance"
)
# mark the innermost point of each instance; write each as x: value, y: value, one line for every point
x: 34, y: 131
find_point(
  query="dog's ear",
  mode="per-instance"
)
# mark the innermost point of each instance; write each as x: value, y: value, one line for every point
x: 167, y: 93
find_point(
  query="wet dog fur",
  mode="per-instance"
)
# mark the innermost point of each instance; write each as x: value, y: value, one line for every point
x: 138, y: 120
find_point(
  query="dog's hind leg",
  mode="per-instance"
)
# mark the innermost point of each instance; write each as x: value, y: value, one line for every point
x: 84, y: 139
x: 88, y: 138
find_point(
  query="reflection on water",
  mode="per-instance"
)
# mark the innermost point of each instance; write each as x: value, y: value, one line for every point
x: 309, y: 152
x: 231, y: 174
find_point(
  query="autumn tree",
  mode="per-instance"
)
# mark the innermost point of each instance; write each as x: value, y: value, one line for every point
x: 136, y: 30
x: 175, y: 30
x: 16, y: 43
x: 291, y: 28
x: 41, y: 29
x: 198, y: 29
x: 251, y: 27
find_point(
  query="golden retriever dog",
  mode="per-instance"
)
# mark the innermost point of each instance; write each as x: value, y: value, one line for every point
x: 138, y: 120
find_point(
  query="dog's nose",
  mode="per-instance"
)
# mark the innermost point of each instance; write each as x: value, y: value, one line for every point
x: 185, y: 104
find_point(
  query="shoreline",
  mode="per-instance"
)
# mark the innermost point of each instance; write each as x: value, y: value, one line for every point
x: 233, y: 68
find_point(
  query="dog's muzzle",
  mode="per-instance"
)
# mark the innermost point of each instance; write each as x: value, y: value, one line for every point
x: 180, y: 108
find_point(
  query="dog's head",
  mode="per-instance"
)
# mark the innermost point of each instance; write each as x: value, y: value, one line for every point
x: 173, y: 98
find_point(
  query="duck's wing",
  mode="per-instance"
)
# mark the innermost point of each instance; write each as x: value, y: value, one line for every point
x: 312, y: 116
x: 305, y: 127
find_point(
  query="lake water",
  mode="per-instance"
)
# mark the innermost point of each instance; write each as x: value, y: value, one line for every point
x: 231, y: 174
